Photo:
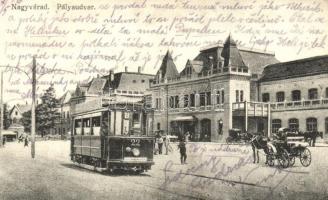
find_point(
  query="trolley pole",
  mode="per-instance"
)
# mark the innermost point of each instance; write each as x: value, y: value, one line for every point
x: 1, y: 104
x: 33, y: 108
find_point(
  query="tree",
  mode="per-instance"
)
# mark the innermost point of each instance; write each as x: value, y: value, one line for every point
x: 46, y: 113
x: 6, y: 119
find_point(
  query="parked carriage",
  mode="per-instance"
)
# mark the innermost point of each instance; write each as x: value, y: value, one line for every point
x: 112, y: 137
x: 235, y: 135
x: 291, y: 146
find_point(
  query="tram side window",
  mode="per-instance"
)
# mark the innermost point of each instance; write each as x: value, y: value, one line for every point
x: 105, y: 123
x: 95, y: 126
x: 78, y: 126
x: 86, y: 127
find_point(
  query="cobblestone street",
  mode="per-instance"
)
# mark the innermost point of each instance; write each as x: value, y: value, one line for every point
x: 213, y: 171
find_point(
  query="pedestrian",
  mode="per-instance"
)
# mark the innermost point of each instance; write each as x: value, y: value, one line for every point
x: 183, y: 151
x: 160, y: 143
x: 26, y: 141
x: 187, y: 135
x: 167, y: 144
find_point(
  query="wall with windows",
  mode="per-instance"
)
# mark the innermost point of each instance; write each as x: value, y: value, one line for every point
x: 295, y: 89
x: 303, y: 120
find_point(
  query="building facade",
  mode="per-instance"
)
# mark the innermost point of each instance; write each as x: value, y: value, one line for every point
x: 298, y: 94
x: 200, y: 99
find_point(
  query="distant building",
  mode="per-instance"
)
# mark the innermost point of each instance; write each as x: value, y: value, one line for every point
x: 16, y: 115
x: 63, y: 123
x: 124, y: 87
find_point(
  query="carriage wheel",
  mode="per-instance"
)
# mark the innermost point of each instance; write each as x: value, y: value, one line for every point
x: 291, y: 160
x: 283, y: 158
x: 305, y: 157
x: 270, y: 159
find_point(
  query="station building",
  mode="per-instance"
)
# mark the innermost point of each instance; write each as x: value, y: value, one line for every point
x: 227, y: 87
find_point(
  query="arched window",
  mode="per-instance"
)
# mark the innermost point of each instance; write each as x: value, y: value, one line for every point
x: 313, y: 93
x: 276, y: 124
x: 280, y: 96
x: 293, y: 124
x: 311, y: 124
x: 296, y: 95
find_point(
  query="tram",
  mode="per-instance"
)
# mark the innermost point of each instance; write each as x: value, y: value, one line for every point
x: 112, y: 136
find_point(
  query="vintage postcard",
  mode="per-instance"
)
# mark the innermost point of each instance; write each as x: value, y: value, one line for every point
x: 154, y: 99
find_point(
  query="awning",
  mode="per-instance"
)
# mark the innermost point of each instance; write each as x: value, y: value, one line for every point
x: 6, y: 132
x: 185, y: 118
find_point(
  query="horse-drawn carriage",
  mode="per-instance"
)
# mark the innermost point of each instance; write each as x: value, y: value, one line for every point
x: 285, y: 147
x: 292, y: 146
x: 235, y: 135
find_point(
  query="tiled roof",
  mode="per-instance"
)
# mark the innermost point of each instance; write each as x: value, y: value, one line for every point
x: 196, y: 66
x: 254, y: 60
x: 168, y: 68
x: 24, y: 108
x: 297, y: 68
x: 231, y: 54
x: 97, y: 86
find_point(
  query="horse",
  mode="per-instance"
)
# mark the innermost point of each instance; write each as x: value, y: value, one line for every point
x: 311, y: 136
x: 259, y: 142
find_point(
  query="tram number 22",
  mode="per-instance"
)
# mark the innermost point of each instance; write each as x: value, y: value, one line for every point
x: 135, y: 142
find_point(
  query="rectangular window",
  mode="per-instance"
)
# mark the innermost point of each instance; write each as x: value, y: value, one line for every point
x: 192, y: 100
x: 176, y: 102
x: 218, y: 100
x: 327, y: 92
x: 222, y: 94
x: 186, y: 100
x: 208, y: 98
x: 171, y: 102
x: 241, y: 96
x: 237, y: 95
x: 313, y: 93
x: 265, y: 97
x: 202, y: 99
x: 280, y: 96
x: 296, y: 95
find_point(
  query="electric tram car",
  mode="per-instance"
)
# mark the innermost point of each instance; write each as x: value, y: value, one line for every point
x: 112, y: 137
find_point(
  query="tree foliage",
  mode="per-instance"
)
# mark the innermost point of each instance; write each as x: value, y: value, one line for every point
x: 6, y: 119
x: 46, y: 113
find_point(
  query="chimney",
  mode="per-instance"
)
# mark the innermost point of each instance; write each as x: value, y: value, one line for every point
x: 111, y: 75
x: 126, y: 69
x: 139, y: 69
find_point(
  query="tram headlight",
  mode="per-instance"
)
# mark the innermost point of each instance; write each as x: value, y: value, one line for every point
x: 128, y: 149
x: 135, y: 152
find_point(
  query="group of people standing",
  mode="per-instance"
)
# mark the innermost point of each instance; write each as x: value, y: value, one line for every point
x: 165, y: 140
x: 160, y: 141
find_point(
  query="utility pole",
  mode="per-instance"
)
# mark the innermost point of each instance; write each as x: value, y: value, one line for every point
x: 1, y: 104
x: 33, y: 108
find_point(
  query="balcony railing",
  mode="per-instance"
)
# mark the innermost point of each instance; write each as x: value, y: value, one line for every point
x: 217, y: 107
x: 253, y: 108
x: 294, y: 105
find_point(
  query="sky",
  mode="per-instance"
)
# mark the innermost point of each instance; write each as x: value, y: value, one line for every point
x: 76, y: 41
